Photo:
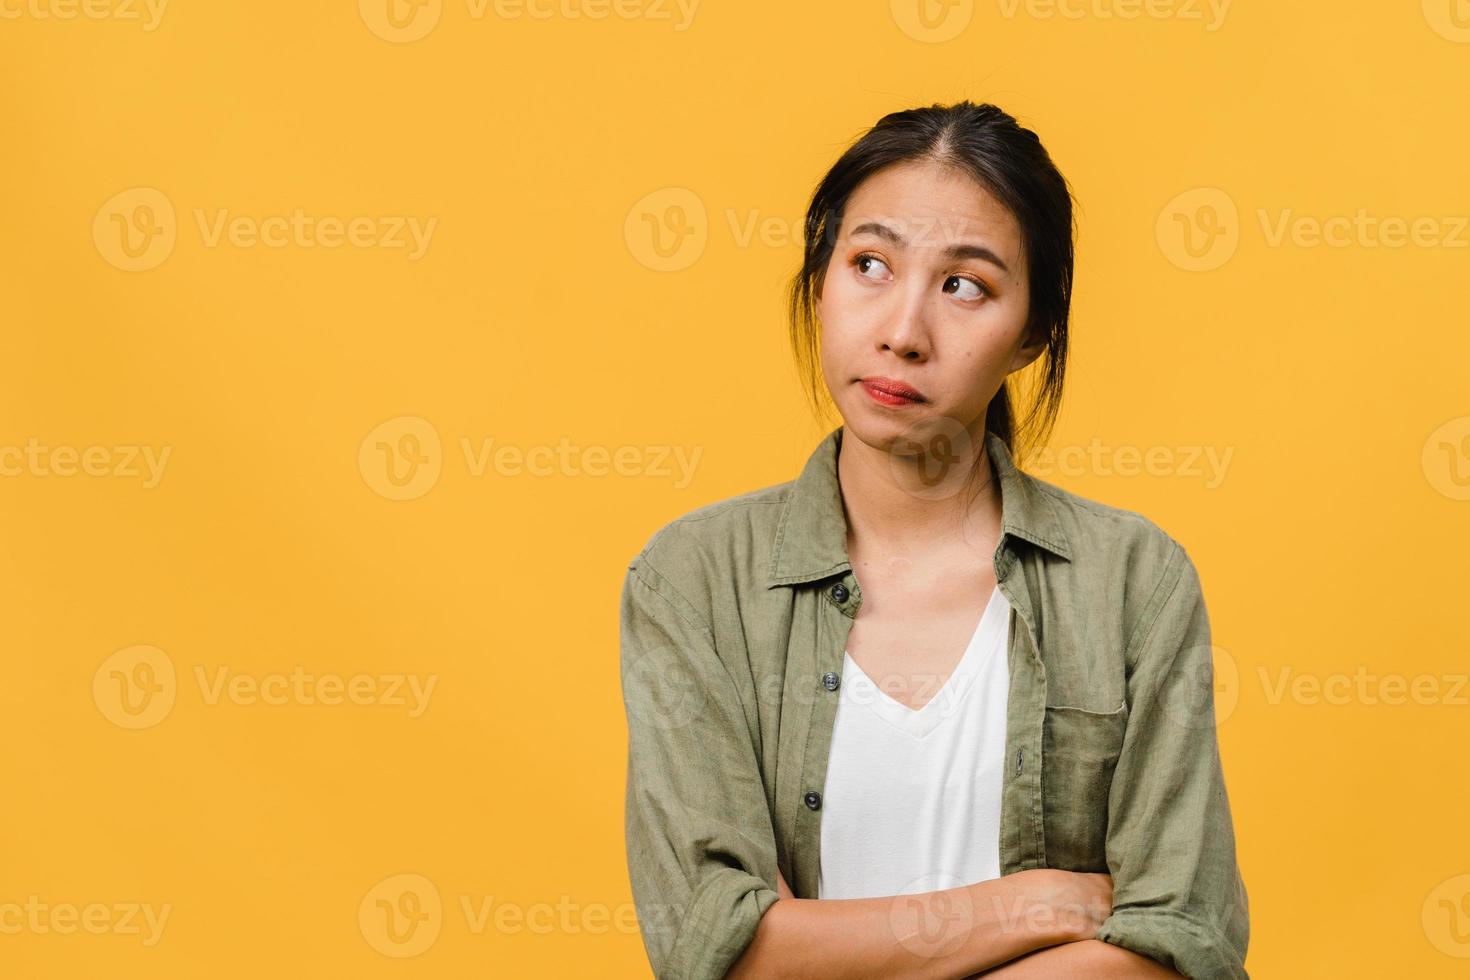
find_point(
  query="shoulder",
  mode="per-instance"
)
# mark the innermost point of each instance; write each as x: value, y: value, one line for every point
x: 726, y: 541
x: 1108, y: 542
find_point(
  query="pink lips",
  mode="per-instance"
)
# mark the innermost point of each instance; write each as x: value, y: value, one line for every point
x: 891, y: 392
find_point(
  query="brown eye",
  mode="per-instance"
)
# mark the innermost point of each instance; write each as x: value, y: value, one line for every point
x: 965, y: 287
x: 866, y: 262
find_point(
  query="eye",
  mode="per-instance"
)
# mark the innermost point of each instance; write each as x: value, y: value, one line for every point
x: 865, y: 263
x: 965, y: 287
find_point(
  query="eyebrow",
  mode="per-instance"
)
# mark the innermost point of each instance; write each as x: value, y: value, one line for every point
x: 963, y: 250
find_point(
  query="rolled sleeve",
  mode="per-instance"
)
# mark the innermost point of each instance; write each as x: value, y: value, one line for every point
x: 1178, y: 896
x: 700, y: 843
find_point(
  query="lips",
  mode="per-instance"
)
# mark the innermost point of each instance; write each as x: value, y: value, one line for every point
x: 892, y: 388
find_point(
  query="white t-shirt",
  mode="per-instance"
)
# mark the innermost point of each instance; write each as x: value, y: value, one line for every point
x: 912, y: 798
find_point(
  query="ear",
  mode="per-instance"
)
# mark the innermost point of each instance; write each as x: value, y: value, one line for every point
x: 1033, y: 348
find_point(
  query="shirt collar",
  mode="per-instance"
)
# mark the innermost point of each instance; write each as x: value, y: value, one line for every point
x: 811, y: 536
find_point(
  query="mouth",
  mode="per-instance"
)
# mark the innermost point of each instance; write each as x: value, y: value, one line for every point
x: 891, y: 392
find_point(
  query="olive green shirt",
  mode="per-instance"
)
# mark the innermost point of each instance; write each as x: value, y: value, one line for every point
x: 734, y: 622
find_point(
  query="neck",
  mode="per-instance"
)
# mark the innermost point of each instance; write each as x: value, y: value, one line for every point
x: 899, y: 505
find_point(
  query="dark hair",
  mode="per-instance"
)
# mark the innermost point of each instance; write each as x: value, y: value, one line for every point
x: 987, y: 144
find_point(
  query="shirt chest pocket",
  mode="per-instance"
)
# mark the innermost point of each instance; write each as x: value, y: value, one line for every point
x: 1080, y: 751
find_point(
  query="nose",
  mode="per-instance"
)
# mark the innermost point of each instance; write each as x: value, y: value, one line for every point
x: 906, y: 329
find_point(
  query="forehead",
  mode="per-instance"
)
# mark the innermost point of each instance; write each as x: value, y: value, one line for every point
x: 933, y: 204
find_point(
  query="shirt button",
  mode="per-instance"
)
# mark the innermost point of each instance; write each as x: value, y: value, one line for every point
x: 829, y: 681
x: 839, y: 592
x: 813, y: 800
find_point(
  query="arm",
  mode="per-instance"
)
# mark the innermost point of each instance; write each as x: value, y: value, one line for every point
x: 1089, y: 958
x: 1178, y: 895
x: 941, y: 934
x: 701, y: 848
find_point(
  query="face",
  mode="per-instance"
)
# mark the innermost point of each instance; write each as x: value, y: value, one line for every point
x: 923, y: 305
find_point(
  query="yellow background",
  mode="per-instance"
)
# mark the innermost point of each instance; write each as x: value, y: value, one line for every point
x: 542, y: 310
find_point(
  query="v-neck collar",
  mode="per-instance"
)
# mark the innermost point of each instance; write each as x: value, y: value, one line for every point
x: 987, y: 639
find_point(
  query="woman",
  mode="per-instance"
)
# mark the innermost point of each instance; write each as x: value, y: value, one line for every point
x: 967, y: 715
